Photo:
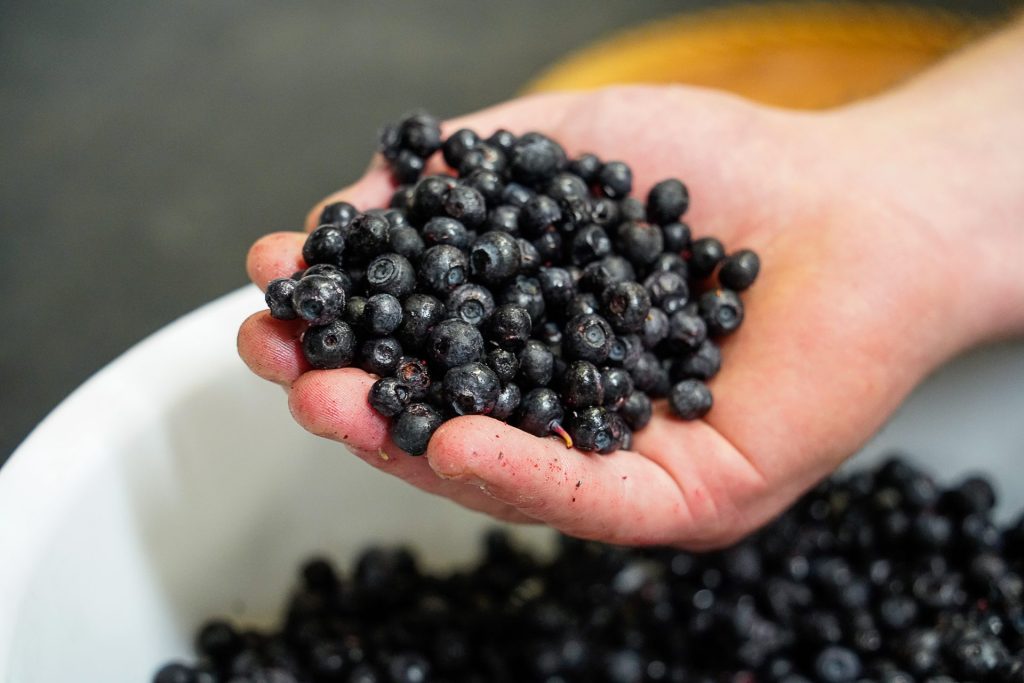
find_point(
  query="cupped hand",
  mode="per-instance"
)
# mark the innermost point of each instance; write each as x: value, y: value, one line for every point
x: 842, y: 322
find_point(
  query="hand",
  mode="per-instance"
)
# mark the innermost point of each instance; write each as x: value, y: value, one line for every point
x: 854, y: 305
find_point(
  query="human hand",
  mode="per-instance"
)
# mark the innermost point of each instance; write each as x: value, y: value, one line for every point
x: 854, y: 305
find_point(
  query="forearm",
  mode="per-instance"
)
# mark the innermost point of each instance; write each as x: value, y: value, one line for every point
x: 948, y: 149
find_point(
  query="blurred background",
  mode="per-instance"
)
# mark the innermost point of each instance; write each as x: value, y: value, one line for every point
x: 146, y: 144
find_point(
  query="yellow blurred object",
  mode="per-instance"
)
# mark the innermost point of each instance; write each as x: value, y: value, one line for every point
x: 800, y: 55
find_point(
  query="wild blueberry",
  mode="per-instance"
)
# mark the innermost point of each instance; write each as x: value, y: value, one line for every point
x: 471, y: 389
x: 670, y: 262
x: 470, y: 303
x: 338, y: 213
x: 407, y: 166
x: 329, y: 346
x: 510, y: 326
x: 625, y: 351
x: 495, y: 257
x: 690, y: 399
x: 318, y: 299
x: 594, y: 429
x: 175, y: 673
x: 536, y: 364
x: 401, y: 198
x: 636, y: 410
x: 516, y: 195
x: 540, y: 413
x: 589, y: 244
x: 504, y: 363
x: 466, y: 205
x: 488, y: 184
x: 632, y: 209
x: 722, y: 310
x: 605, y: 213
x: 648, y: 374
x: 326, y: 244
x: 420, y: 133
x: 617, y: 384
x: 457, y: 144
x: 414, y: 373
x: 218, y: 640
x: 340, y: 276
x: 389, y: 397
x: 354, y: 308
x: 586, y: 166
x: 655, y: 328
x: 667, y: 201
x: 582, y: 386
x: 406, y: 242
x: 445, y: 230
x: 615, y: 179
x: 535, y: 159
x: 625, y: 306
x: 601, y: 274
x: 525, y: 292
x: 664, y: 284
x: 454, y: 342
x: 686, y: 332
x: 428, y: 198
x: 549, y: 246
x: 588, y: 337
x: 539, y: 213
x: 367, y: 237
x: 380, y: 356
x: 507, y: 402
x: 504, y: 218
x: 529, y: 257
x: 837, y: 664
x: 382, y: 314
x: 412, y: 429
x: 420, y: 312
x: 705, y: 255
x: 702, y: 364
x: 443, y: 268
x: 640, y: 242
x: 503, y: 140
x: 483, y: 157
x: 391, y: 274
x: 584, y: 303
x: 677, y: 237
x: 279, y: 298
x: 739, y: 270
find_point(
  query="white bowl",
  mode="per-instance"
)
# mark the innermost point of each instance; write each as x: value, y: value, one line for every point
x: 173, y: 485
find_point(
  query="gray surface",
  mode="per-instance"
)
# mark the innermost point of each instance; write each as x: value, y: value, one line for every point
x: 147, y: 144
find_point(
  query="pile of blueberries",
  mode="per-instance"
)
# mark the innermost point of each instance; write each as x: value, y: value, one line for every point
x: 879, y: 576
x: 530, y: 287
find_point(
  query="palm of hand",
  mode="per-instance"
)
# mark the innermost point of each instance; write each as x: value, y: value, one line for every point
x: 816, y: 367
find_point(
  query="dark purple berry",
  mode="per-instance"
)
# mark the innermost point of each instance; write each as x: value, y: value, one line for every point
x: 495, y: 257
x: 454, y: 342
x: 510, y: 326
x: 329, y: 346
x: 536, y: 364
x: 636, y: 410
x: 279, y: 298
x: 391, y: 274
x: 443, y: 268
x: 412, y: 429
x: 582, y: 385
x: 739, y: 270
x: 466, y: 205
x: 389, y: 397
x: 338, y: 213
x: 667, y: 201
x: 722, y: 310
x: 615, y: 179
x: 705, y: 255
x: 470, y: 303
x: 326, y: 244
x: 318, y: 299
x: 690, y: 399
x: 382, y: 314
x: 380, y: 356
x: 588, y: 337
x: 471, y: 389
x: 594, y: 429
x: 625, y: 306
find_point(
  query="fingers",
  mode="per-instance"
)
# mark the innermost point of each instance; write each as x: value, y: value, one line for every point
x: 333, y: 404
x: 620, y: 498
x: 271, y: 348
x: 278, y: 254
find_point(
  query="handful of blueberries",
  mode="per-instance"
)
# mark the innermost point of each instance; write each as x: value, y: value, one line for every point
x: 531, y: 288
x: 876, y: 577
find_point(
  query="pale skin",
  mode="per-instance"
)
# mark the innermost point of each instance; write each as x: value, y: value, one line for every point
x: 891, y: 234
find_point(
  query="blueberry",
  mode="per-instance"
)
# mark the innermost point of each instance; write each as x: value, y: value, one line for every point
x: 483, y: 157
x: 318, y: 299
x: 495, y: 257
x: 671, y: 263
x: 457, y: 144
x: 535, y: 159
x: 354, y: 308
x: 556, y: 286
x: 703, y: 364
x: 690, y: 399
x: 586, y: 166
x: 382, y: 314
x: 445, y: 230
x: 625, y: 351
x: 584, y: 303
x: 504, y: 363
x: 420, y: 312
x: 538, y: 214
x: 588, y: 337
x: 443, y: 268
x: 326, y: 244
x: 705, y: 255
x: 414, y: 373
x: 516, y: 195
x: 380, y: 356
x: 589, y: 244
x: 329, y: 346
x: 175, y: 673
x: 471, y: 389
x: 454, y: 342
x: 488, y: 183
x: 407, y: 166
x: 617, y: 384
x: 640, y: 242
x: 340, y: 276
x: 655, y: 328
x: 615, y: 179
x: 367, y: 237
x: 662, y: 285
x: 507, y: 402
x: 632, y: 209
x: 466, y: 205
x: 739, y: 270
x: 526, y: 293
x: 721, y: 310
x: 401, y: 198
x: 510, y: 326
x: 676, y: 236
x: 412, y: 429
x: 470, y: 303
x: 337, y: 213
x: 667, y: 201
x: 582, y: 386
x: 601, y: 274
x: 837, y: 664
x: 529, y: 257
x: 406, y: 242
x: 650, y: 376
x: 540, y: 413
x: 409, y: 667
x: 503, y: 140
x: 218, y: 640
x: 391, y: 274
x: 549, y: 246
x: 419, y: 133
x: 594, y: 429
x: 279, y: 298
x: 389, y: 397
x: 605, y: 213
x: 428, y: 198
x: 536, y: 364
x: 636, y: 410
x: 686, y: 332
x: 625, y: 306
x: 504, y: 218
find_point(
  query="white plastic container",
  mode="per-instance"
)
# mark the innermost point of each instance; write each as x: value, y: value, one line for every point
x: 173, y: 485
